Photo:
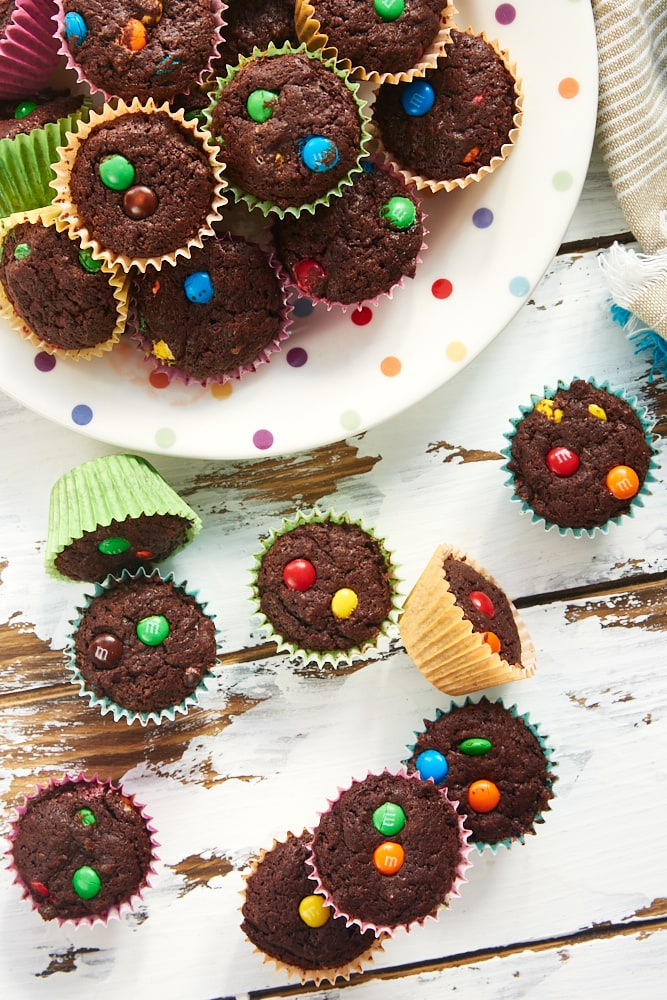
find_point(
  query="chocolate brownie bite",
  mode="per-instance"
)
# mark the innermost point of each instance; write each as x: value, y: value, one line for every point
x: 461, y: 630
x: 458, y: 122
x: 376, y: 41
x: 216, y: 315
x: 81, y: 849
x: 113, y: 513
x: 142, y: 648
x: 494, y: 763
x: 389, y: 852
x: 139, y: 48
x: 54, y: 294
x: 580, y: 457
x: 139, y: 185
x: 251, y: 24
x: 290, y: 129
x: 325, y: 589
x: 362, y: 245
x: 292, y: 926
x: 19, y: 117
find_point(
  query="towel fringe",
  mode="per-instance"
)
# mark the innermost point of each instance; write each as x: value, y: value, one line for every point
x: 629, y: 273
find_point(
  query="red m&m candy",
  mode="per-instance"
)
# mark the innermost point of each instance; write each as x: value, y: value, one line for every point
x: 562, y: 461
x: 299, y: 574
x: 482, y: 602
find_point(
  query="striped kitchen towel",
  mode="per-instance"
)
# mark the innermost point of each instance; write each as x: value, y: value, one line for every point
x: 632, y: 133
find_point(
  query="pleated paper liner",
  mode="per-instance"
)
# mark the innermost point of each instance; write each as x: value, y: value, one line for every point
x: 69, y: 212
x: 441, y: 641
x: 116, y: 278
x: 37, y: 890
x: 264, y: 205
x: 425, y: 182
x: 302, y: 965
x: 28, y: 50
x: 106, y: 489
x: 309, y: 30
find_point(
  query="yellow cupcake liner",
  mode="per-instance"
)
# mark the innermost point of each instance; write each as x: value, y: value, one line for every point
x: 441, y: 642
x: 119, y: 282
x: 69, y: 215
x: 434, y: 184
x: 309, y: 30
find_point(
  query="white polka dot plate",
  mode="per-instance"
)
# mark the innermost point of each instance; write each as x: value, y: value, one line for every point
x: 341, y: 373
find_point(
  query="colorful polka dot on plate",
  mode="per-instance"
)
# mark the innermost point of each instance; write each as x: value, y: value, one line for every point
x: 82, y: 414
x: 505, y: 13
x: 262, y: 439
x: 44, y: 362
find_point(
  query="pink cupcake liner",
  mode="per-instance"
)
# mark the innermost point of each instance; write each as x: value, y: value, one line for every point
x: 117, y: 910
x: 459, y: 880
x: 28, y: 50
x: 217, y: 6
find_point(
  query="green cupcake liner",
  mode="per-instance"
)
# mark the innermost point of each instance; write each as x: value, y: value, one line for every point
x: 541, y: 738
x: 107, y: 705
x: 26, y: 164
x: 637, y: 501
x: 336, y: 658
x: 105, y: 489
x: 267, y: 207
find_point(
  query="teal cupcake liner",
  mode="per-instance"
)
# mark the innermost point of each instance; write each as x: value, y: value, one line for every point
x: 263, y: 205
x: 107, y: 705
x: 637, y: 501
x: 335, y: 658
x: 541, y: 738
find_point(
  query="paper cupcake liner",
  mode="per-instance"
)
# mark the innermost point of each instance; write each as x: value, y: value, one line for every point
x: 117, y: 910
x: 335, y: 658
x: 441, y: 641
x: 28, y: 50
x: 307, y: 975
x: 309, y: 30
x: 217, y: 7
x: 108, y: 705
x: 637, y: 501
x: 332, y: 304
x: 174, y: 373
x: 118, y: 281
x: 551, y: 765
x: 108, y: 489
x: 69, y: 218
x: 433, y: 184
x: 263, y: 205
x: 26, y: 163
x: 460, y: 878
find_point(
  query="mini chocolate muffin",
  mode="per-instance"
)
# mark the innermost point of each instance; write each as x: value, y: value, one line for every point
x: 289, y: 127
x: 493, y: 762
x: 325, y: 586
x: 140, y: 48
x: 456, y: 120
x: 379, y: 38
x: 360, y: 246
x: 22, y: 116
x: 254, y: 23
x: 289, y: 923
x: 217, y: 314
x: 113, y: 513
x: 142, y: 645
x: 80, y: 849
x: 389, y: 852
x: 63, y: 296
x: 579, y: 457
x: 460, y: 628
x: 138, y: 184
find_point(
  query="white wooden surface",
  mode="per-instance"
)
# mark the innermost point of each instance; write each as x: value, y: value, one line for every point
x: 580, y: 909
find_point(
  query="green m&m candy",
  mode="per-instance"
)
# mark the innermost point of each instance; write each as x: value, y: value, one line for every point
x: 389, y: 819
x: 116, y: 172
x: 152, y: 630
x: 260, y: 104
x: 86, y: 882
x: 399, y: 212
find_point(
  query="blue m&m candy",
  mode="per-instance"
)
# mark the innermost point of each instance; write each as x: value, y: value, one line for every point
x: 417, y: 98
x: 319, y: 154
x: 76, y: 28
x: 432, y: 764
x: 198, y: 287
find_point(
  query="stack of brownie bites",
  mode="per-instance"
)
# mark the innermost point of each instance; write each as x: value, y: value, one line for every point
x: 214, y: 161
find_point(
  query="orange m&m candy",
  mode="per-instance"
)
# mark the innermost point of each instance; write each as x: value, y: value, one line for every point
x: 483, y: 796
x: 492, y: 640
x: 388, y: 857
x: 623, y: 482
x: 133, y: 35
